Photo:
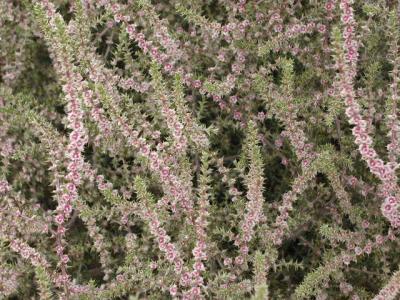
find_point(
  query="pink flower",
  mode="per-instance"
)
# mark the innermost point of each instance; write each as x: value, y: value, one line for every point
x: 198, y: 266
x: 368, y: 248
x: 165, y: 172
x: 178, y: 265
x: 222, y: 104
x: 197, y: 84
x: 244, y: 250
x: 59, y: 219
x: 173, y: 290
x: 71, y: 187
x: 153, y: 265
x: 379, y: 239
x: 161, y: 240
x: 195, y: 292
x: 67, y: 209
x: 171, y: 255
x: 65, y: 259
x: 346, y: 259
x: 233, y: 99
x: 59, y: 249
x: 278, y: 28
x: 239, y: 260
x: 365, y: 224
x: 391, y: 200
x: 261, y: 116
x: 167, y: 67
x: 329, y: 6
x: 227, y: 261
x: 358, y: 250
x: 237, y: 115
x: 387, y: 208
x: 185, y: 279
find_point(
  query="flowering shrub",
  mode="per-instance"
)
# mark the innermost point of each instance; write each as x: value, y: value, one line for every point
x: 199, y: 149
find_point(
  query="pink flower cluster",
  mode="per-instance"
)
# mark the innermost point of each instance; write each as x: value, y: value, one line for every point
x: 254, y: 214
x: 394, y: 146
x: 297, y: 29
x: 77, y: 141
x: 390, y: 210
x: 175, y: 126
x: 173, y: 185
x: 148, y: 47
x: 163, y: 240
x: 97, y: 113
x: 171, y: 252
x: 29, y: 253
x: 168, y: 61
x: 4, y: 187
x: 9, y: 281
x: 304, y: 150
x: 391, y: 290
x: 130, y: 83
x: 199, y: 251
x: 299, y: 185
x: 385, y: 172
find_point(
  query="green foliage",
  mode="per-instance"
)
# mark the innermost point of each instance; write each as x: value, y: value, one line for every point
x: 242, y: 101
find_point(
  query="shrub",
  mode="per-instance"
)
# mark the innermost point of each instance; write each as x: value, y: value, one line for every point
x: 199, y: 149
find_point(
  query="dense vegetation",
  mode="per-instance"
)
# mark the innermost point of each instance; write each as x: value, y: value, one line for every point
x: 178, y: 149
